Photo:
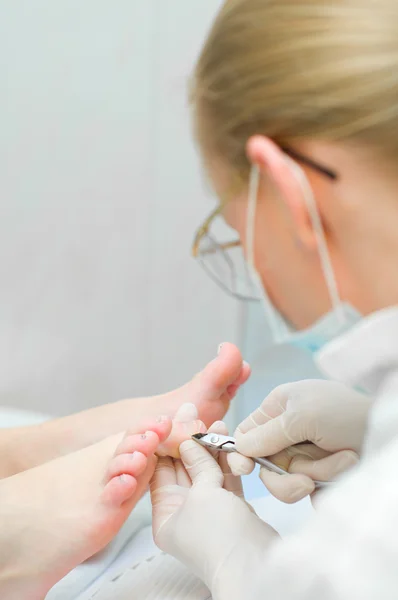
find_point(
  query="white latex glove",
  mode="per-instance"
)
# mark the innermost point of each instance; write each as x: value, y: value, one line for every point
x: 329, y: 415
x: 201, y: 518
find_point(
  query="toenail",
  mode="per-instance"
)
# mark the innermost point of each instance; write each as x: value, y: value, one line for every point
x: 219, y: 349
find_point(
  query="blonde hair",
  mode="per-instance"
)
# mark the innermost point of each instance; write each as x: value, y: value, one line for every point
x: 298, y: 69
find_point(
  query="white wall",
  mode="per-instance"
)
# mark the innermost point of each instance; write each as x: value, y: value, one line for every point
x: 100, y: 196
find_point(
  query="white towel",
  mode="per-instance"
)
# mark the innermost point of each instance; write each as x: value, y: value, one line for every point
x: 161, y: 577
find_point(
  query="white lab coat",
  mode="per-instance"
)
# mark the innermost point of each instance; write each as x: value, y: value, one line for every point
x: 349, y: 550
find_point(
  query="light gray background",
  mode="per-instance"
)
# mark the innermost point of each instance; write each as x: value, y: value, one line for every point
x: 101, y: 192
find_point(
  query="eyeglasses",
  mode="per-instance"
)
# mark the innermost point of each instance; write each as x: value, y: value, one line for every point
x: 224, y: 262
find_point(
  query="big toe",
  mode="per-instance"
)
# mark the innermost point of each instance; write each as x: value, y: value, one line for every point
x: 127, y: 489
x: 224, y: 370
x: 214, y: 387
x: 118, y: 490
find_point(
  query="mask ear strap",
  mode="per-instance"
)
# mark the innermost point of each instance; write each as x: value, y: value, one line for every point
x: 324, y: 255
x: 254, y: 185
x: 270, y: 311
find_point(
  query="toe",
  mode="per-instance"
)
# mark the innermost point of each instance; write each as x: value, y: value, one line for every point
x: 119, y: 489
x: 223, y: 370
x: 161, y: 426
x: 179, y: 433
x: 244, y: 374
x: 146, y: 443
x: 209, y: 389
x: 131, y: 456
x: 127, y: 464
x: 127, y: 488
x: 187, y: 412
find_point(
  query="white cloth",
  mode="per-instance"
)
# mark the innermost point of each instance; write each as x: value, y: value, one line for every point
x: 142, y: 571
x: 367, y: 358
x: 160, y: 577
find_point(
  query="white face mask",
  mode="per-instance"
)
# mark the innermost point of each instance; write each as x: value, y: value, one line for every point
x: 341, y: 317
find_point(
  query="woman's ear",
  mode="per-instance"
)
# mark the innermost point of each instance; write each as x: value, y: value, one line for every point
x: 285, y: 176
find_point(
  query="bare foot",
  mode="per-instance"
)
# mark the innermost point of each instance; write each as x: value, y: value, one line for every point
x: 185, y: 424
x: 211, y: 391
x: 55, y: 516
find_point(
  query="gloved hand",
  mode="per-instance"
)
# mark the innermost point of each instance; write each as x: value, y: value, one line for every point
x: 328, y: 415
x: 201, y: 518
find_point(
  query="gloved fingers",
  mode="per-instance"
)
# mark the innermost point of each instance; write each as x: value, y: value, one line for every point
x: 166, y: 496
x: 324, y: 469
x: 239, y: 464
x: 201, y: 466
x: 183, y: 479
x: 273, y: 406
x: 314, y: 462
x: 306, y: 452
x: 232, y: 483
x: 163, y: 485
x: 287, y: 488
x: 187, y: 412
x: 220, y: 428
x: 242, y: 465
x: 276, y: 435
x: 165, y: 473
x: 256, y: 418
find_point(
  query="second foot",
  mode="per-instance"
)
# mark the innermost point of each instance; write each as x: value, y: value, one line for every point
x: 211, y: 390
x: 56, y: 516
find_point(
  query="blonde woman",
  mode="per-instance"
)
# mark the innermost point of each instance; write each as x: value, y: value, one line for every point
x: 295, y: 107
